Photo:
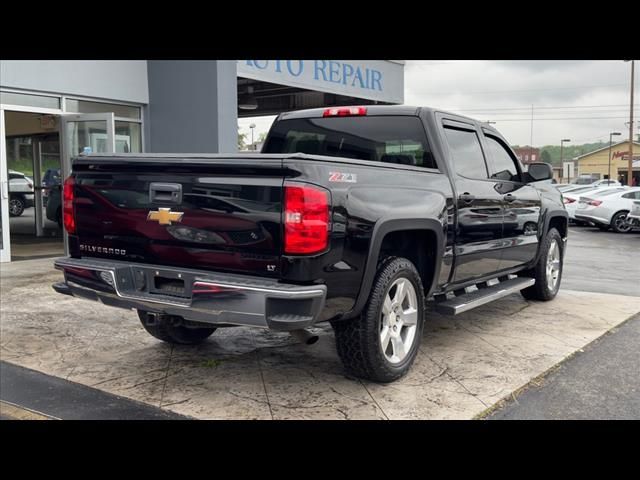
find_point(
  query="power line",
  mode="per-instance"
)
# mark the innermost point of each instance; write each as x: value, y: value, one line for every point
x: 566, y: 118
x: 537, y: 108
x: 561, y: 112
x: 530, y: 90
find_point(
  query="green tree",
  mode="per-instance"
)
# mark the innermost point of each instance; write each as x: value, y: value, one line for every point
x: 545, y: 156
x: 242, y: 140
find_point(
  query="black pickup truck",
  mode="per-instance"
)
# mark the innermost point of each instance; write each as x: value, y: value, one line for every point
x: 352, y: 215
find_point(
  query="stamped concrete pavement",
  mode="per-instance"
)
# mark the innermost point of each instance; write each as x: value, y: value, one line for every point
x: 466, y: 364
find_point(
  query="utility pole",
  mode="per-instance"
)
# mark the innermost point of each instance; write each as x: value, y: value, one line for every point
x: 630, y: 171
x: 562, y: 142
x: 531, y: 139
x: 610, y: 136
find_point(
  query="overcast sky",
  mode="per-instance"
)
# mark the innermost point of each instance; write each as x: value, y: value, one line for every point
x: 571, y: 99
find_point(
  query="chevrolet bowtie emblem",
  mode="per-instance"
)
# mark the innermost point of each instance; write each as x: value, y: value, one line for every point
x: 164, y: 216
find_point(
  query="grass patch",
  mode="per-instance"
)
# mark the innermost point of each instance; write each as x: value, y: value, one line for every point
x: 211, y: 363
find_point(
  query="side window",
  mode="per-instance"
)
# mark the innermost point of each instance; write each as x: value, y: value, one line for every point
x: 632, y: 195
x: 468, y: 159
x: 408, y: 151
x: 504, y: 166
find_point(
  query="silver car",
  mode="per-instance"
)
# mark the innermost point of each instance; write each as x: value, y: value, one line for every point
x: 20, y: 193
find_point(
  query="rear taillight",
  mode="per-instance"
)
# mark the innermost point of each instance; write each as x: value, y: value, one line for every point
x: 345, y: 112
x: 595, y: 203
x: 68, y: 213
x: 306, y: 219
x: 569, y: 200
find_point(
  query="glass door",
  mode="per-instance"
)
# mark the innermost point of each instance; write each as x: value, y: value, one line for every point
x: 5, y: 252
x: 85, y: 133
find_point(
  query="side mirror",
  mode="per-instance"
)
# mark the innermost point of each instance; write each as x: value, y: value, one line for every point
x: 539, y: 171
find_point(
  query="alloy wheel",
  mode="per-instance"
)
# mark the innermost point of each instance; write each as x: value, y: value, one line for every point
x: 399, y: 320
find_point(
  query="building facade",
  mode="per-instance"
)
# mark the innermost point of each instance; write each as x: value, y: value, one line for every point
x: 615, y: 161
x: 50, y: 111
x: 527, y: 154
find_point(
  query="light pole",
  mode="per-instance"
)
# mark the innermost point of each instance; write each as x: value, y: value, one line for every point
x: 612, y: 134
x: 630, y: 171
x: 562, y: 142
x: 252, y: 126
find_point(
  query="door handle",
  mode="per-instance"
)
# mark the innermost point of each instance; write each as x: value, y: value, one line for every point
x: 467, y: 197
x: 509, y: 198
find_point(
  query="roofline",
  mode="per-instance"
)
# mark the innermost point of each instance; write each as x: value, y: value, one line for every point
x: 605, y: 148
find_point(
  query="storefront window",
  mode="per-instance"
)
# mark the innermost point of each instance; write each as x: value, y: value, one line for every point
x: 128, y: 137
x: 83, y: 106
x: 83, y: 134
x: 40, y: 101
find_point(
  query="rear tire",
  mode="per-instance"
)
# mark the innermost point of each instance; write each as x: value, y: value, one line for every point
x: 382, y: 343
x: 548, y: 271
x: 619, y: 223
x: 173, y: 330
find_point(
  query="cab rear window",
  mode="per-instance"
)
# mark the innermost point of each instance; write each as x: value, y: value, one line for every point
x: 391, y: 139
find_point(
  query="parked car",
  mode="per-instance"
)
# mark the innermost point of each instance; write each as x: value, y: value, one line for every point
x: 634, y: 215
x: 20, y: 193
x: 608, y: 209
x: 358, y: 232
x: 605, y: 182
x: 571, y: 199
x: 584, y: 180
x: 54, y: 208
x: 573, y: 188
x: 50, y: 180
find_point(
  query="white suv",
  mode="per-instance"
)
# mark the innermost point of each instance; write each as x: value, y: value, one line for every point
x: 20, y: 193
x: 608, y: 209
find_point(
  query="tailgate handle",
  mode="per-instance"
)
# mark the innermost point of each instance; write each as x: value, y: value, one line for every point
x: 165, y: 193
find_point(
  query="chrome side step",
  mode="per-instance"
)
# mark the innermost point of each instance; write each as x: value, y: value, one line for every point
x: 467, y: 301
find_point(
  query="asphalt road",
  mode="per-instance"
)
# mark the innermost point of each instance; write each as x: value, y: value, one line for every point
x: 604, y: 262
x: 25, y: 223
x: 56, y: 398
x: 602, y: 382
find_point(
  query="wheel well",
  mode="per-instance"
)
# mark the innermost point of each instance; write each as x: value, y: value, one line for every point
x: 619, y: 211
x: 419, y: 246
x: 560, y: 224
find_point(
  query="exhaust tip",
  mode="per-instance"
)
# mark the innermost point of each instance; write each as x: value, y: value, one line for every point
x: 304, y: 336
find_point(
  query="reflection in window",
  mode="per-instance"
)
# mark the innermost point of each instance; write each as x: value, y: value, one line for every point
x: 504, y: 167
x: 466, y: 152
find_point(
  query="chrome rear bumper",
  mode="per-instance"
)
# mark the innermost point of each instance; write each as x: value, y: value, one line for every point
x: 195, y: 295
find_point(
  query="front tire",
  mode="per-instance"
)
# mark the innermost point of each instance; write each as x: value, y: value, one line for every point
x: 548, y: 271
x: 383, y: 342
x: 173, y: 330
x: 16, y: 206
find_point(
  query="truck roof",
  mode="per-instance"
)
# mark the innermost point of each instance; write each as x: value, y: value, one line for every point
x: 371, y: 110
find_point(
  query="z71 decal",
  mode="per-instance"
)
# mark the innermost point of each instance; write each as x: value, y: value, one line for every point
x: 342, y: 177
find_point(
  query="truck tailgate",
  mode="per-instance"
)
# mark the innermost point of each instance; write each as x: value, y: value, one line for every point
x: 217, y: 214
